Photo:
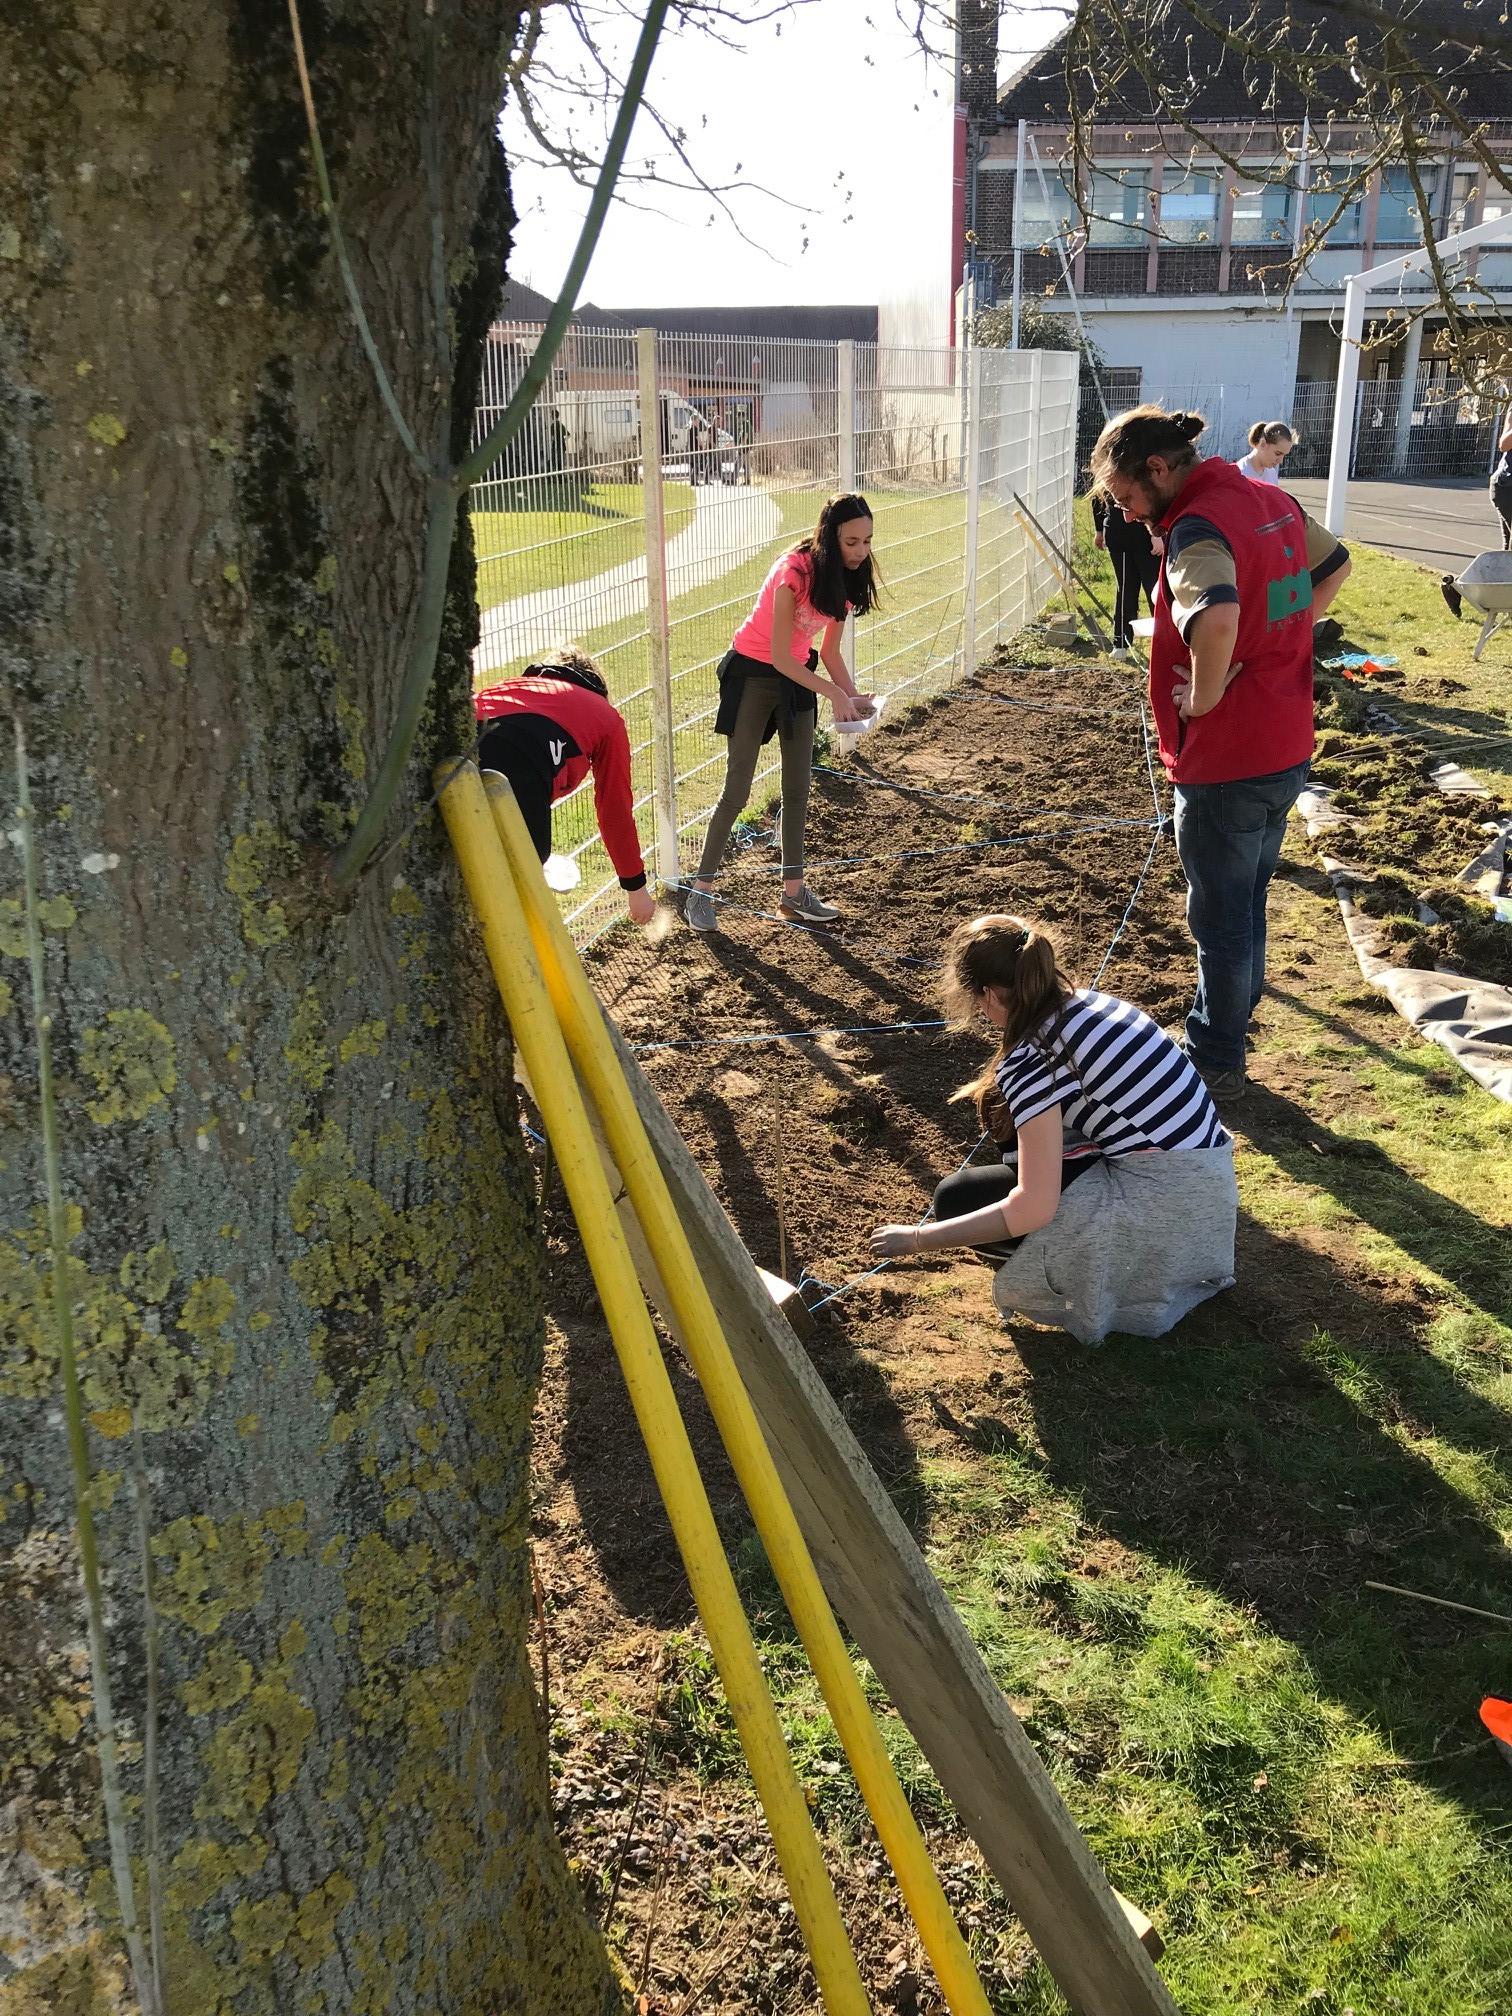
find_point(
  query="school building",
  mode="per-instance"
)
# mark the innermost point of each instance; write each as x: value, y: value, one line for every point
x: 1179, y: 272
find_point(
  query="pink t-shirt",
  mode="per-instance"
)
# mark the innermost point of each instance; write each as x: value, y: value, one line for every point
x: 754, y: 637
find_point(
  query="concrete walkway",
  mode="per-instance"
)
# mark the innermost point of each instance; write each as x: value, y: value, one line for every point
x: 732, y: 523
x: 1440, y: 525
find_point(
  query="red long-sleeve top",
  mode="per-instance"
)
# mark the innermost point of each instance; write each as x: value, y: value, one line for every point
x: 596, y: 740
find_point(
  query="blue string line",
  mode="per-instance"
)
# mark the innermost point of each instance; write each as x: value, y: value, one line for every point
x: 973, y: 846
x: 827, y: 931
x: 783, y: 1036
x: 950, y: 797
x: 1043, y: 706
x: 847, y: 1287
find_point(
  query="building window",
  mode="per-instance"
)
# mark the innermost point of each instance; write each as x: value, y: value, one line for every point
x: 1189, y: 210
x: 1398, y: 221
x: 1120, y: 205
x: 1463, y: 190
x: 1498, y: 199
x: 1042, y: 222
x: 1328, y: 185
x: 1262, y: 213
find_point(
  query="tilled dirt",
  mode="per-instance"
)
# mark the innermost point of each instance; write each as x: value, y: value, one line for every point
x: 810, y: 1142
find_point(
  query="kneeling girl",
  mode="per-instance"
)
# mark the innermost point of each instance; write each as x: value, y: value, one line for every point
x: 1114, y: 1204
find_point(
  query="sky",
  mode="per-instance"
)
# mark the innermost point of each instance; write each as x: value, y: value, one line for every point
x: 846, y: 124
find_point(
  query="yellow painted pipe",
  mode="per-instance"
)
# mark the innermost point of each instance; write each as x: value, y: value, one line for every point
x: 496, y: 902
x: 578, y: 1013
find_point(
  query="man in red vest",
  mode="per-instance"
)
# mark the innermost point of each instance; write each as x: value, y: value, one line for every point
x: 1246, y: 574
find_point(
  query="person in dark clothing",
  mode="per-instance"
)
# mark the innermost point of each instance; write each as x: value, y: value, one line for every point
x: 545, y: 731
x: 1135, y: 559
x: 1501, y: 482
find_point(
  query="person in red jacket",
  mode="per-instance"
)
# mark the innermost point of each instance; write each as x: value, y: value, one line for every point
x: 1245, y: 576
x: 545, y: 731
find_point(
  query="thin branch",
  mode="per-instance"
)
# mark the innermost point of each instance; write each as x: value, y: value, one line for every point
x: 142, y: 1496
x: 446, y: 493
x: 338, y: 246
x: 143, y: 1976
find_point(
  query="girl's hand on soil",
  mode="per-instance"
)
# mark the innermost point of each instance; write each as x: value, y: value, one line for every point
x: 888, y: 1241
x: 848, y: 706
x: 641, y: 904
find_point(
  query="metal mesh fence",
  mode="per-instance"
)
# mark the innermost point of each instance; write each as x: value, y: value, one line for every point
x: 745, y: 439
x: 1432, y: 427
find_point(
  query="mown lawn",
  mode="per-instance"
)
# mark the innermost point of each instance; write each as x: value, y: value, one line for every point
x: 520, y: 552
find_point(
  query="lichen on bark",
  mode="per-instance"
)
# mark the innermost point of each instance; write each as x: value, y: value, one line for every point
x: 302, y: 1252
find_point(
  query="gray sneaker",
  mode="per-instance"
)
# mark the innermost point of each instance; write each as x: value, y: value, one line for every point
x: 701, y: 910
x: 807, y: 908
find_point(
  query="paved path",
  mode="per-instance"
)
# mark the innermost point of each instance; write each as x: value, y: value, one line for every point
x: 1439, y: 525
x: 731, y: 524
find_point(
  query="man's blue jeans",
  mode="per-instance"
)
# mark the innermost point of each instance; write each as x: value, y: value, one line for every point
x: 1229, y: 839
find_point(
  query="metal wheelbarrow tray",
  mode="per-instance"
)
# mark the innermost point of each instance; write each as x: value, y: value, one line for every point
x: 1486, y: 585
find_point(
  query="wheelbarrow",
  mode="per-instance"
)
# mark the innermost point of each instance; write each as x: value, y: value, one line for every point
x: 1486, y: 585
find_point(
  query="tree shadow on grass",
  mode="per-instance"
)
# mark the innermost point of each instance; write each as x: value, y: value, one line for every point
x: 1438, y: 1233
x: 1268, y: 1447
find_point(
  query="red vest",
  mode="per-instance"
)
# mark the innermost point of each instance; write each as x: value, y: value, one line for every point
x: 1264, y: 722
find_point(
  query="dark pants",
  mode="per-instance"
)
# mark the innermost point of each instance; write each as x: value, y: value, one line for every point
x: 762, y: 696
x: 1229, y: 839
x: 520, y: 747
x: 1133, y: 569
x: 974, y: 1189
x: 1501, y: 503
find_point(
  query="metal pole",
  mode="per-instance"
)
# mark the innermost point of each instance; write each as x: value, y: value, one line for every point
x: 1407, y: 384
x: 973, y: 508
x: 1302, y: 184
x: 1336, y: 509
x: 658, y: 623
x: 1060, y: 246
x: 1018, y: 232
x: 848, y: 463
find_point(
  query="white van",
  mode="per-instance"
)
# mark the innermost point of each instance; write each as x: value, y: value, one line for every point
x: 605, y: 427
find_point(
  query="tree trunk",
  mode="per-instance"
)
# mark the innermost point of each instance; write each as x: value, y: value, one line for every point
x: 305, y: 1263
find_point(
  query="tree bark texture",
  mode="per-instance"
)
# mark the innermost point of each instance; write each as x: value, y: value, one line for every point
x: 304, y: 1262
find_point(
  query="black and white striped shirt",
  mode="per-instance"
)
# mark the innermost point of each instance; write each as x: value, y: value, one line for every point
x: 1122, y: 1085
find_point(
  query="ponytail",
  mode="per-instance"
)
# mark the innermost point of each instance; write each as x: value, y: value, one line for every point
x: 1020, y: 959
x: 1126, y: 444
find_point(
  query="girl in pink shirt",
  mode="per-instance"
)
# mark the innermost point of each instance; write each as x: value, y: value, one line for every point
x: 770, y: 681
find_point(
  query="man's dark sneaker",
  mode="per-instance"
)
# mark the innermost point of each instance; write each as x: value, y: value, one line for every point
x: 1224, y: 1085
x: 1449, y: 589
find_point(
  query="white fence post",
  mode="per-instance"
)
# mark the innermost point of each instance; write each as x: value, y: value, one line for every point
x: 973, y: 509
x: 1034, y: 564
x: 847, y: 461
x: 658, y: 625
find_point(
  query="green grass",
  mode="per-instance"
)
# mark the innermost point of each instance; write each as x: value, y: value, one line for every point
x: 520, y: 552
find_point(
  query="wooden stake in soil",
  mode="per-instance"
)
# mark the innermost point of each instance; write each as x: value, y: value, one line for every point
x: 782, y: 1268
